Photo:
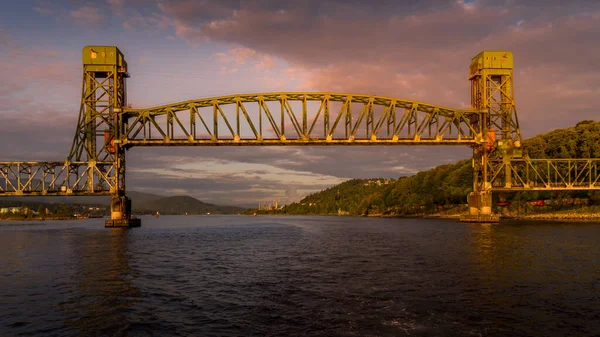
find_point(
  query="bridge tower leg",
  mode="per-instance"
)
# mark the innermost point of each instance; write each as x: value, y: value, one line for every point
x: 491, y: 76
x: 100, y: 128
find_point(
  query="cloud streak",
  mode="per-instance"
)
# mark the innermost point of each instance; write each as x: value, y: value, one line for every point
x: 421, y: 52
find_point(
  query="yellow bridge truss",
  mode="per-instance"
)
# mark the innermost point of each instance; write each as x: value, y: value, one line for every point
x: 292, y: 118
x: 107, y: 127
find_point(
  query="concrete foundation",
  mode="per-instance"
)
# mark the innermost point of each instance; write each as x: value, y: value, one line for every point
x: 480, y: 218
x: 120, y: 214
x: 480, y: 208
x: 123, y: 223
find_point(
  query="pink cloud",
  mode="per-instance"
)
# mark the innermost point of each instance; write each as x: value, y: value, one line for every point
x: 235, y: 57
x: 87, y: 16
x: 44, y: 10
x: 422, y: 53
x: 243, y: 55
x: 43, y: 94
x: 267, y: 63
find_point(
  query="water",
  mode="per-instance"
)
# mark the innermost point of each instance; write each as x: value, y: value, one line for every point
x: 299, y: 276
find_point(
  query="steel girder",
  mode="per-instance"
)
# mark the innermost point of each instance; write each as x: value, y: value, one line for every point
x: 71, y: 178
x: 285, y: 118
x: 525, y: 174
x: 56, y: 178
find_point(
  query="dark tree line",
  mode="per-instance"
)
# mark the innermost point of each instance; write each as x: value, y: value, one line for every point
x: 446, y: 185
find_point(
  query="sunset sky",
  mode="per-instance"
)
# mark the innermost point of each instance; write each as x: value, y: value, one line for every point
x: 180, y: 50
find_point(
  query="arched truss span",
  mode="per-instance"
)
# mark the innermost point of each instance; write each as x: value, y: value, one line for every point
x: 293, y: 118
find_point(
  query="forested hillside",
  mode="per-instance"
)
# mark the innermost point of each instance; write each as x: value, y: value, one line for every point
x: 446, y: 184
x: 182, y: 205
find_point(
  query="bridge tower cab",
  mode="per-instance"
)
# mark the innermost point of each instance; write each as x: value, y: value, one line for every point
x: 492, y: 93
x: 100, y: 128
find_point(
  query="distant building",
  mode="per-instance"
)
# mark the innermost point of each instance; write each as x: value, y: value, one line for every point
x: 378, y: 182
x: 14, y: 210
x: 274, y: 206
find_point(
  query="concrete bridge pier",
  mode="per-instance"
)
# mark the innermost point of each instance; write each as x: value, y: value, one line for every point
x: 480, y: 208
x: 120, y: 214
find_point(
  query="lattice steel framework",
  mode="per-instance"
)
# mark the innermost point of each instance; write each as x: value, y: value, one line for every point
x: 105, y: 129
x: 287, y: 119
x: 491, y: 76
x: 99, y: 124
x: 544, y: 174
x: 56, y: 178
x: 96, y: 162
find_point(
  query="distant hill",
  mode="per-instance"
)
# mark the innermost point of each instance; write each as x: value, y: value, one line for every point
x: 447, y: 184
x: 181, y: 205
x: 141, y: 203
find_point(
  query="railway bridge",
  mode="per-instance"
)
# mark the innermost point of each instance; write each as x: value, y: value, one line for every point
x: 107, y: 128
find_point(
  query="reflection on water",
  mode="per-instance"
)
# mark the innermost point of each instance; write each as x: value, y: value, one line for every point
x: 484, y: 247
x: 103, y: 283
x: 542, y: 274
x: 290, y: 276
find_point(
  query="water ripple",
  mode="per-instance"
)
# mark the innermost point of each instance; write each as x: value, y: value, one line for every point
x: 299, y: 276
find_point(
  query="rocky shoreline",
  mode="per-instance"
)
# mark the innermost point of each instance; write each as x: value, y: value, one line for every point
x: 571, y: 217
x: 563, y: 216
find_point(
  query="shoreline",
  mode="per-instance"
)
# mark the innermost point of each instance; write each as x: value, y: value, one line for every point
x: 43, y: 219
x: 555, y: 217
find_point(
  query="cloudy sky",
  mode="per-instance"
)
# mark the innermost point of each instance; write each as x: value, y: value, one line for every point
x: 182, y: 49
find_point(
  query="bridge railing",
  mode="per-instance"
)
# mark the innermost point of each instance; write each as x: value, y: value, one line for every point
x: 300, y: 119
x: 56, y: 178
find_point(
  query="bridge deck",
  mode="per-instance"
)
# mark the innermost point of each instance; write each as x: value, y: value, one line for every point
x: 93, y: 179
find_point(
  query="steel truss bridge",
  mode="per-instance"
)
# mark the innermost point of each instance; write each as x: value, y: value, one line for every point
x: 107, y: 127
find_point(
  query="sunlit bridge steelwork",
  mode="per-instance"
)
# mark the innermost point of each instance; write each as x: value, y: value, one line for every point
x: 287, y: 119
x: 107, y: 127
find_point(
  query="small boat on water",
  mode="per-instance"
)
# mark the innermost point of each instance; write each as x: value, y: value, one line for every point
x: 157, y: 215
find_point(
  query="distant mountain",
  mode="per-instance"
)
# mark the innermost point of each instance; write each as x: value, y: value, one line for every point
x: 141, y: 203
x: 181, y: 205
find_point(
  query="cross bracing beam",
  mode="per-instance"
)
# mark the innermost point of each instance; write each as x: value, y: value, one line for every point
x: 56, y: 178
x: 71, y: 178
x: 544, y: 174
x: 292, y: 118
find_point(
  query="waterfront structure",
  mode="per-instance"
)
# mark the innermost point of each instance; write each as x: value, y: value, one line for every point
x: 108, y: 126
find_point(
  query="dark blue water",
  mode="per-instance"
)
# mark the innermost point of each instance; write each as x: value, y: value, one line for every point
x: 299, y: 276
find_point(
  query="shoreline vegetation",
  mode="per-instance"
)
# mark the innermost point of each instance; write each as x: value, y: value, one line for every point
x: 573, y: 216
x: 565, y: 215
x: 441, y: 192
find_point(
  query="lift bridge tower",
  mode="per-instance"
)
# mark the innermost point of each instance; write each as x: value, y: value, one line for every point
x: 491, y: 76
x: 100, y: 128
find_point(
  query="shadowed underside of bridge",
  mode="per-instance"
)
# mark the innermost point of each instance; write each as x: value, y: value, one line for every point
x: 107, y: 127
